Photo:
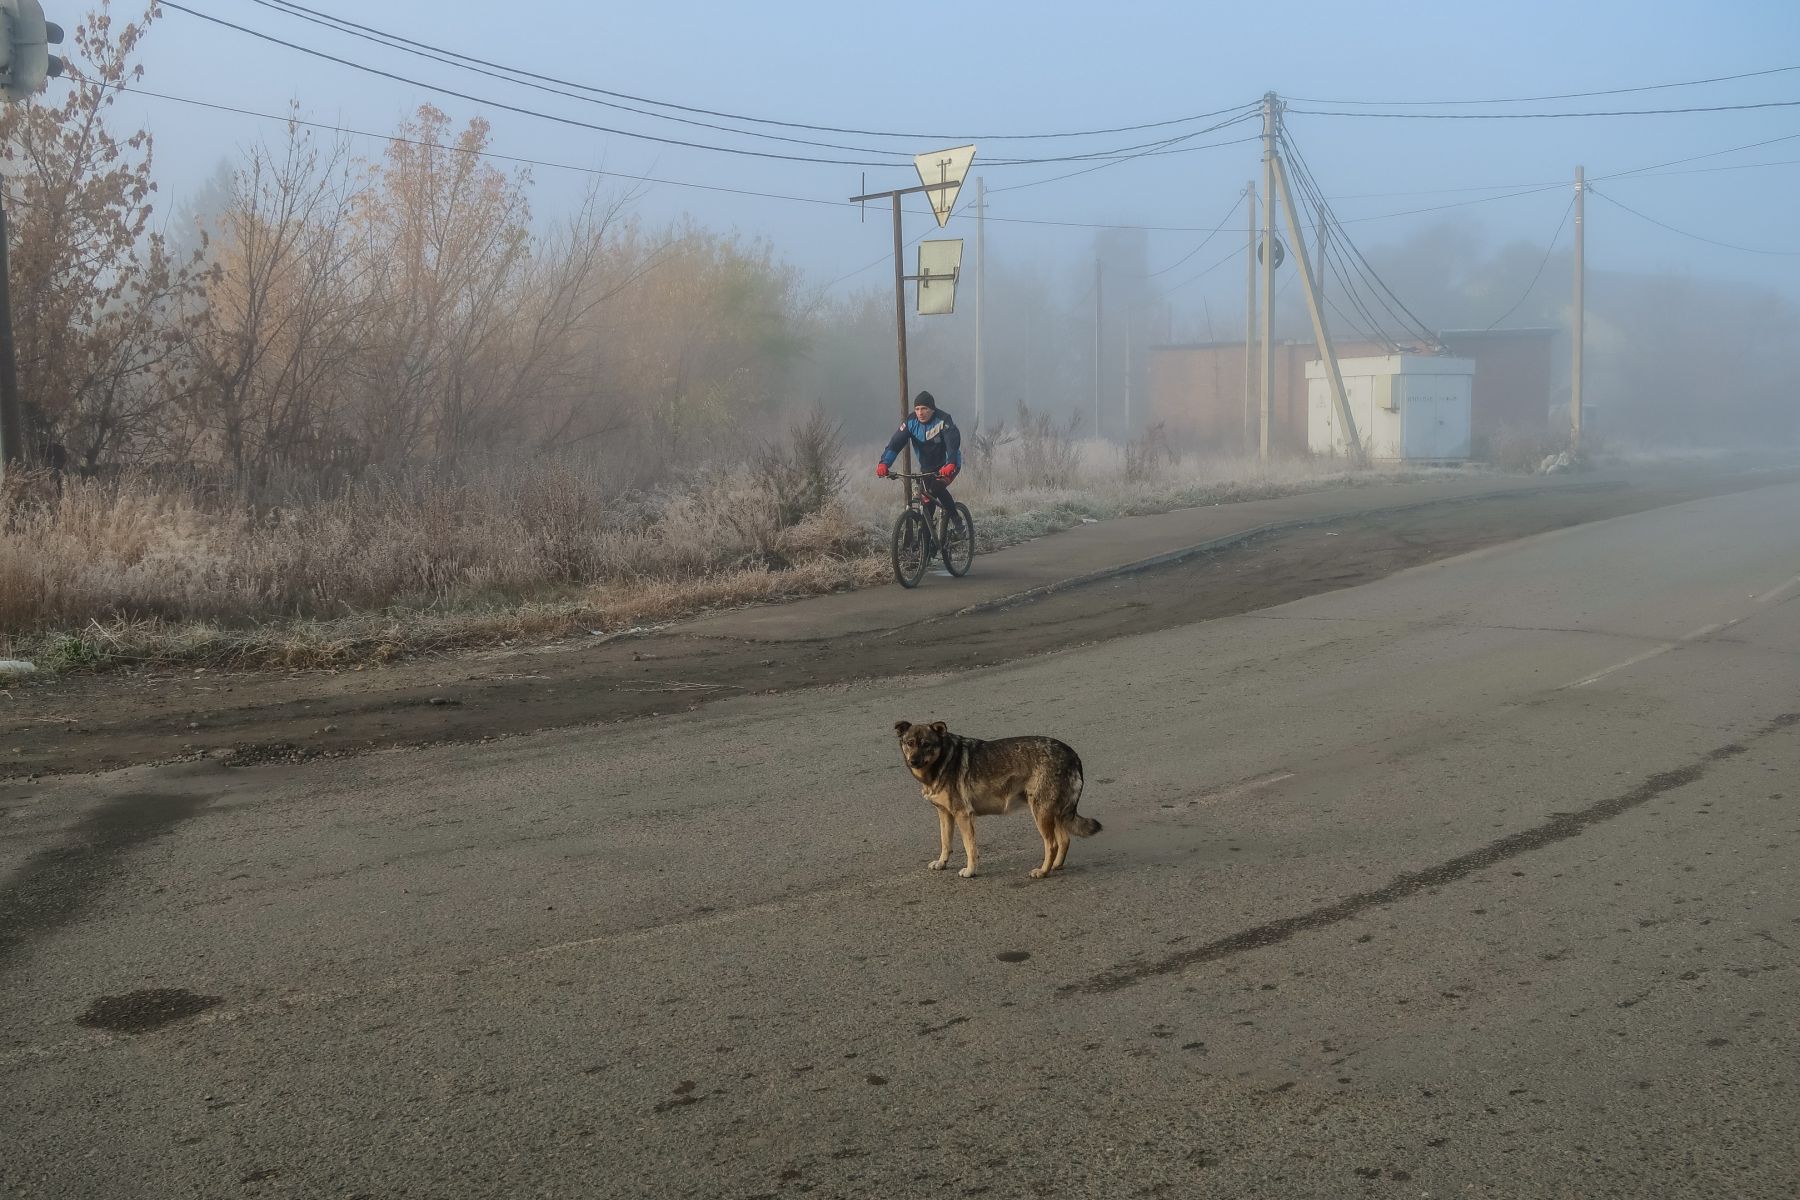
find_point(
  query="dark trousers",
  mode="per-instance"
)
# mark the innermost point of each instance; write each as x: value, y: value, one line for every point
x: 936, y: 489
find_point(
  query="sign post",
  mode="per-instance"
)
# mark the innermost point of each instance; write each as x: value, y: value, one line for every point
x: 941, y: 175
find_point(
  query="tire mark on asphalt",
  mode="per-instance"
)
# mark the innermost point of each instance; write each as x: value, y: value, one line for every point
x: 57, y: 883
x: 1558, y: 828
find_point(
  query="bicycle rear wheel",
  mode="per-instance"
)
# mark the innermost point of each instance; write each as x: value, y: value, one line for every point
x: 911, y: 549
x: 959, y: 541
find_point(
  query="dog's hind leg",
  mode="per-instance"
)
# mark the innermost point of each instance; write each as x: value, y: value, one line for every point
x: 965, y: 825
x: 943, y: 858
x: 1047, y: 829
x: 1062, y: 846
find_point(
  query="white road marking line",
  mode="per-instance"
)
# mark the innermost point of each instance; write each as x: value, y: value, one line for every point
x: 1774, y: 592
x: 1646, y: 656
x: 1232, y: 791
x: 1703, y: 632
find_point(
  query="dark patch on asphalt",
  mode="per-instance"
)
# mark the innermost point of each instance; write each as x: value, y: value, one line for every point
x: 58, y: 882
x: 1013, y: 956
x: 684, y: 1096
x: 142, y: 1011
x: 1559, y: 827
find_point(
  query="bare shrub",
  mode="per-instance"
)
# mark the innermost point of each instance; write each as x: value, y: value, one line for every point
x: 805, y: 468
x: 1148, y: 454
x: 1047, y: 454
x: 1521, y: 450
x: 987, y: 443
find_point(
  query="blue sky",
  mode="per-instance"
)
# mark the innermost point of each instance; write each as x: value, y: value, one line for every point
x: 994, y: 69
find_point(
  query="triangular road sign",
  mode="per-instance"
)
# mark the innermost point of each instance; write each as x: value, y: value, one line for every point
x: 944, y: 166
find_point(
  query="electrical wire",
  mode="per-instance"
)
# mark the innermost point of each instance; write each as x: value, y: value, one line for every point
x: 1214, y: 232
x: 1649, y: 87
x: 1537, y: 116
x: 530, y: 112
x: 1173, y: 288
x: 1088, y: 156
x: 1379, y: 289
x: 1548, y: 251
x: 344, y: 25
x: 1684, y: 233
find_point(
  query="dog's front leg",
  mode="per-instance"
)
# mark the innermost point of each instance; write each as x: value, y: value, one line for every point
x: 943, y: 858
x: 965, y: 824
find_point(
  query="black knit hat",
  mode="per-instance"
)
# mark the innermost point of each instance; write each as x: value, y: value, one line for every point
x: 924, y: 399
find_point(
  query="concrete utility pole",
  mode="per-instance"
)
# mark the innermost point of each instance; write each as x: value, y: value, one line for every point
x: 1249, y: 308
x: 1316, y: 309
x: 1097, y: 349
x: 1266, y: 405
x: 1127, y: 436
x: 980, y: 299
x: 1575, y: 335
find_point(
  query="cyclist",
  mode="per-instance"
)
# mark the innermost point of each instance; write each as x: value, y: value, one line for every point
x: 938, y: 444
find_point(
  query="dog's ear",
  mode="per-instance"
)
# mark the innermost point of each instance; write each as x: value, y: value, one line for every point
x: 939, y: 727
x: 900, y: 727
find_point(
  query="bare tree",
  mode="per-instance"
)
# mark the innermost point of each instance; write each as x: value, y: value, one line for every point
x: 97, y: 297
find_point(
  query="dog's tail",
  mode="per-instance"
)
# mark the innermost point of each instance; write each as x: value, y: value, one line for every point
x: 1077, y: 824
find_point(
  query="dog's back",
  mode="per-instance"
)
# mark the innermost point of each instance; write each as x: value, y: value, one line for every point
x: 1007, y: 773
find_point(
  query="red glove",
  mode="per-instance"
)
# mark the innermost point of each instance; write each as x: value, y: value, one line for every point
x: 947, y: 471
x: 881, y: 470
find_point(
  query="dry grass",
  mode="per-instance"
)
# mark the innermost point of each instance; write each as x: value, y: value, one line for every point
x: 135, y: 571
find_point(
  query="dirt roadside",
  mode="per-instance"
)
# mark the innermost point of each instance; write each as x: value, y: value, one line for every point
x: 79, y: 724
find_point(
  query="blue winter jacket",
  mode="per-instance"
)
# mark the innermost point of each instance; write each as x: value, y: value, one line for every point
x: 935, y: 442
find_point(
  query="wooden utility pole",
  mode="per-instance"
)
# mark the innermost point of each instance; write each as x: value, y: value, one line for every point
x: 1266, y: 405
x: 980, y: 299
x: 12, y: 427
x: 1315, y: 307
x: 1575, y: 336
x: 900, y: 331
x: 1249, y: 308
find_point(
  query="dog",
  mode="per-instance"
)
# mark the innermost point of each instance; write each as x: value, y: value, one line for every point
x: 966, y: 777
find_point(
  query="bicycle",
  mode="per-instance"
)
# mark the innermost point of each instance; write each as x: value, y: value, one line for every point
x: 916, y: 540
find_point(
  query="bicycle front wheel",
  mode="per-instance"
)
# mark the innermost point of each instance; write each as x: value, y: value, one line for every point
x: 959, y: 541
x: 912, y: 548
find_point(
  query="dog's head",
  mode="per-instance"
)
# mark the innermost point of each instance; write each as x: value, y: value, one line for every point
x: 922, y: 745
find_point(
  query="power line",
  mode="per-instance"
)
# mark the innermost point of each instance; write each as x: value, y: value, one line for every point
x: 1310, y: 184
x: 1086, y: 156
x: 530, y: 112
x: 1505, y: 116
x: 1649, y: 87
x: 1548, y: 251
x: 1152, y: 154
x: 1171, y: 290
x: 595, y: 171
x: 392, y: 42
x: 1214, y: 232
x: 401, y: 42
x: 1684, y: 233
x: 1676, y: 162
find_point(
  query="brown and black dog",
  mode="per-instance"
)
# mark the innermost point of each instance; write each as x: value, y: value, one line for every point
x: 966, y: 777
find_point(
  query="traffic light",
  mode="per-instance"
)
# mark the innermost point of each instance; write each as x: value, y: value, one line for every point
x: 25, y: 58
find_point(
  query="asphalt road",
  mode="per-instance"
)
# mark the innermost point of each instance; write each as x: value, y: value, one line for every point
x: 1476, y: 881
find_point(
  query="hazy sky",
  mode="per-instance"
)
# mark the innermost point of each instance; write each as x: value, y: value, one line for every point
x: 974, y: 71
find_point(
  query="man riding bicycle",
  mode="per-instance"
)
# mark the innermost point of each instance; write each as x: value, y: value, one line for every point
x: 938, y: 444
